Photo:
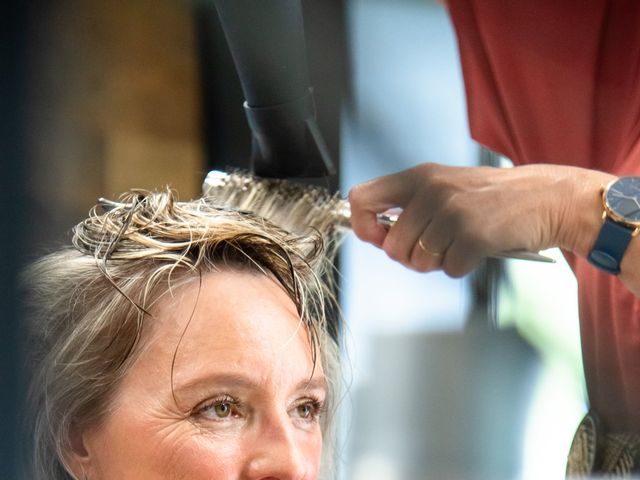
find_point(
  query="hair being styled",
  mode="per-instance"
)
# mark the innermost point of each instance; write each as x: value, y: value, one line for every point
x: 89, y: 303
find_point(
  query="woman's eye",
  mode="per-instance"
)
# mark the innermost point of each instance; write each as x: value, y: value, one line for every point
x: 305, y: 411
x: 309, y: 410
x: 219, y: 409
x: 222, y: 409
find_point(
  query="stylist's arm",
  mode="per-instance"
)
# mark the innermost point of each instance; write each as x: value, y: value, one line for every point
x: 453, y: 217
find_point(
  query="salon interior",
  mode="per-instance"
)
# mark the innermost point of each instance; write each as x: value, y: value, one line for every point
x: 446, y: 378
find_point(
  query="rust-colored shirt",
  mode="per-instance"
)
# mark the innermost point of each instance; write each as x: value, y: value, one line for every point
x: 559, y: 82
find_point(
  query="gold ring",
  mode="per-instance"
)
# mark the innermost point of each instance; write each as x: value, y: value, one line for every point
x: 426, y: 250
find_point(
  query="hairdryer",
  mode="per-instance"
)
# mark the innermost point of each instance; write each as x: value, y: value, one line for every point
x: 266, y: 39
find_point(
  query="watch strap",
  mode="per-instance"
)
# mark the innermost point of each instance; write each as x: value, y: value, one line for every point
x: 610, y: 246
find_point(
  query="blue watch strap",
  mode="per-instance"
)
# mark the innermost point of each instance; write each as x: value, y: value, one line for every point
x: 610, y: 246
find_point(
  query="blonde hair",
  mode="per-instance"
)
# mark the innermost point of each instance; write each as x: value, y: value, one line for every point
x: 89, y: 304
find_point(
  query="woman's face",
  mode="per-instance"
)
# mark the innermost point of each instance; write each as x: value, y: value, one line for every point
x: 245, y: 404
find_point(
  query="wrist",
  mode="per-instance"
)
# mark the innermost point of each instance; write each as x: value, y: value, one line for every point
x: 583, y: 216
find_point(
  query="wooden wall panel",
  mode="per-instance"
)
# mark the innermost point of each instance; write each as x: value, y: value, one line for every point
x: 113, y: 104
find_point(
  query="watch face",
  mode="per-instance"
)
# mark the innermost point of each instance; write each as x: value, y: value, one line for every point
x: 623, y: 199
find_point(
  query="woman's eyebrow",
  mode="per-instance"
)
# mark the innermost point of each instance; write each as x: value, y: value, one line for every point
x: 217, y: 379
x: 318, y: 382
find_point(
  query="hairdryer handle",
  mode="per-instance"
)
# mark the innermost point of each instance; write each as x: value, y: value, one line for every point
x: 266, y: 39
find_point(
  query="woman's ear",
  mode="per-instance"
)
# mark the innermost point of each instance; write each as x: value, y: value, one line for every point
x: 77, y: 460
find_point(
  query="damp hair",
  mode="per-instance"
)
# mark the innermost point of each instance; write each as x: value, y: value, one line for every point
x: 89, y: 303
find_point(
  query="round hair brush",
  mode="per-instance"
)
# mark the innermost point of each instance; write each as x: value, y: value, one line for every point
x: 290, y: 205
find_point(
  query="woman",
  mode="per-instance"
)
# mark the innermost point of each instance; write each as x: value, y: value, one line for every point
x: 182, y: 340
x: 554, y: 86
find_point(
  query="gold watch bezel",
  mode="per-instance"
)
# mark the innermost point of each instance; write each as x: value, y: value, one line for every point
x: 608, y: 212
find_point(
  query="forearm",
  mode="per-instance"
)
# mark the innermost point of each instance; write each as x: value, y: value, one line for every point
x: 630, y: 267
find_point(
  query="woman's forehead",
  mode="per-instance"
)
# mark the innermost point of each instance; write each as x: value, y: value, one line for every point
x: 230, y: 322
x: 229, y: 301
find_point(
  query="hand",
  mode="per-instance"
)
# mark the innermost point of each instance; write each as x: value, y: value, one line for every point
x: 455, y: 216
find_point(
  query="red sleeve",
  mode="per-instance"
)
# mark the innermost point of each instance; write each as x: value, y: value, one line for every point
x: 559, y: 82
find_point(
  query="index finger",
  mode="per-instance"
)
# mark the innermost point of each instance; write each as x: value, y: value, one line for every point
x: 376, y: 196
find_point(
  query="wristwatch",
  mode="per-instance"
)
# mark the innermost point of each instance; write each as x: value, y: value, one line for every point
x: 621, y: 222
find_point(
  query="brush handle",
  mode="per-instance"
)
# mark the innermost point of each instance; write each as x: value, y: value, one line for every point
x: 389, y: 219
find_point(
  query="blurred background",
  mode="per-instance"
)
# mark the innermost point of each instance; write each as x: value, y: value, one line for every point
x: 448, y: 379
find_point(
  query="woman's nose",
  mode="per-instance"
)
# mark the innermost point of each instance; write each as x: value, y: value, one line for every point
x: 280, y: 452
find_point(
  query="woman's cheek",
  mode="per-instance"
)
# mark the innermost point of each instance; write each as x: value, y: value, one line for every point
x: 203, y: 457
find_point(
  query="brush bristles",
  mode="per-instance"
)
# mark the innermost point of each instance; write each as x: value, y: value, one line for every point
x: 293, y: 207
